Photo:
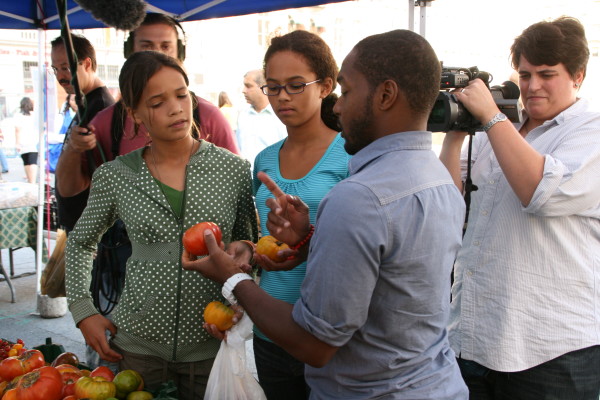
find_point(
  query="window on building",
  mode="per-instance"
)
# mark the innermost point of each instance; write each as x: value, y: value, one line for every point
x: 263, y: 32
x: 109, y: 74
x: 27, y: 69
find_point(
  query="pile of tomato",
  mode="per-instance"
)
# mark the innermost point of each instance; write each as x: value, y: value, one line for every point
x: 26, y: 376
x: 8, y: 349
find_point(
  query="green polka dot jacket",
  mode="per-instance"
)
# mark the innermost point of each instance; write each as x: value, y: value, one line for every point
x: 160, y: 310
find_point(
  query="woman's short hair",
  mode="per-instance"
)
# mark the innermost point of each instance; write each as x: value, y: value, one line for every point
x: 551, y: 43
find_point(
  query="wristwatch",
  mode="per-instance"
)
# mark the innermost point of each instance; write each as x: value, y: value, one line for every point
x: 497, y: 118
x: 229, y: 285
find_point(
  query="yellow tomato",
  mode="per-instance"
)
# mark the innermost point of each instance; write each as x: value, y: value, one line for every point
x: 219, y: 314
x: 269, y: 246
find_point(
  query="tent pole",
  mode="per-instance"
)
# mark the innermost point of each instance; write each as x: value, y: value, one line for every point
x: 411, y: 15
x: 422, y: 4
x: 41, y: 158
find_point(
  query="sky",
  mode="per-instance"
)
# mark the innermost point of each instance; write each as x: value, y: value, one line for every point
x: 464, y: 33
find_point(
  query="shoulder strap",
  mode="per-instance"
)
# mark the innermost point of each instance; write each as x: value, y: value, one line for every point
x: 117, y: 128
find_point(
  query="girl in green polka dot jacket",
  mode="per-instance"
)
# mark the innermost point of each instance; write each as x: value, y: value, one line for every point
x: 160, y: 191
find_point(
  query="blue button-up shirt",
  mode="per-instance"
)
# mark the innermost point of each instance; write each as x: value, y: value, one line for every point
x: 378, y: 276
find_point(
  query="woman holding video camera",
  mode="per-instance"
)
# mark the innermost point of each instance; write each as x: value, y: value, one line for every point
x: 526, y: 293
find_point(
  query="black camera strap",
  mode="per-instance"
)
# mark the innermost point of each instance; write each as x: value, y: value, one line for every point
x: 469, y: 187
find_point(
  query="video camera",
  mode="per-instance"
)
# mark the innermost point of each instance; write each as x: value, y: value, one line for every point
x: 448, y: 114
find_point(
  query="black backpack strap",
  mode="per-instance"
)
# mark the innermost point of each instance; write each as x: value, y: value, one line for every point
x: 117, y: 128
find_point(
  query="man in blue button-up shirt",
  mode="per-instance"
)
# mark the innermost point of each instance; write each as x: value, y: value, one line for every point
x: 374, y: 305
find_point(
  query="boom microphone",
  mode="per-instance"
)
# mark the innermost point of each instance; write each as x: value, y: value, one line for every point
x: 124, y: 15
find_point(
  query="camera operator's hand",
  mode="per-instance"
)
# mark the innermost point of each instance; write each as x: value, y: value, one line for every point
x: 82, y: 139
x: 478, y: 100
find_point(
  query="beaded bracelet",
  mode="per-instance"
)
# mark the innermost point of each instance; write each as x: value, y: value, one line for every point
x: 305, y: 240
x: 252, y: 246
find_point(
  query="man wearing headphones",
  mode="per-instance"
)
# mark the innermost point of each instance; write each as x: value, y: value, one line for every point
x: 158, y: 32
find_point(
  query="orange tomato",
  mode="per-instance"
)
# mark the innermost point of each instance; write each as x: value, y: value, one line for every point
x: 219, y: 314
x: 193, y: 238
x: 269, y: 246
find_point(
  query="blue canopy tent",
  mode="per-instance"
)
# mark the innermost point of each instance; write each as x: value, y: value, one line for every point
x: 42, y: 15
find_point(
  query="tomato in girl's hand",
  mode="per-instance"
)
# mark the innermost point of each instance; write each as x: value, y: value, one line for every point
x: 269, y: 246
x: 193, y: 238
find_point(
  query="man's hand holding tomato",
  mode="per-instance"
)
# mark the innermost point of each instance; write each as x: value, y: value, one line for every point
x: 222, y: 335
x: 238, y: 251
x: 219, y: 266
x: 94, y: 330
x: 272, y: 316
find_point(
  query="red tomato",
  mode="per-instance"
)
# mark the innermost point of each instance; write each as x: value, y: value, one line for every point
x: 7, y: 386
x: 10, y: 394
x: 44, y: 383
x: 193, y: 238
x: 94, y: 388
x: 70, y: 375
x: 104, y: 372
x: 269, y: 246
x: 15, y: 366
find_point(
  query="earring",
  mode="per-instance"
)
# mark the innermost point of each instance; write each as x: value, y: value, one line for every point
x: 576, y: 85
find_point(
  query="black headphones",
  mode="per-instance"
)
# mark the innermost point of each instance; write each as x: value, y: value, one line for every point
x: 162, y: 19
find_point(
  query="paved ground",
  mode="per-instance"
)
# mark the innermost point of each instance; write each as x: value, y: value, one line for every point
x: 22, y: 319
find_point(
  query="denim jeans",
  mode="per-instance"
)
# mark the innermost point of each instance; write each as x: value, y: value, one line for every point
x: 572, y: 376
x: 280, y: 375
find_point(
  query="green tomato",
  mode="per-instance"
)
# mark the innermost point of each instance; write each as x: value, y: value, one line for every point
x: 140, y: 395
x: 128, y: 381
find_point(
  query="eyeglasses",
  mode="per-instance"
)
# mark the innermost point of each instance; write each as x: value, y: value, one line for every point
x: 65, y: 70
x: 290, y: 88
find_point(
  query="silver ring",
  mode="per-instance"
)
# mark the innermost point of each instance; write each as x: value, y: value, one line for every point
x: 462, y: 90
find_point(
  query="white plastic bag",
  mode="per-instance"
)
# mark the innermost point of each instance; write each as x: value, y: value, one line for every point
x: 230, y: 378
